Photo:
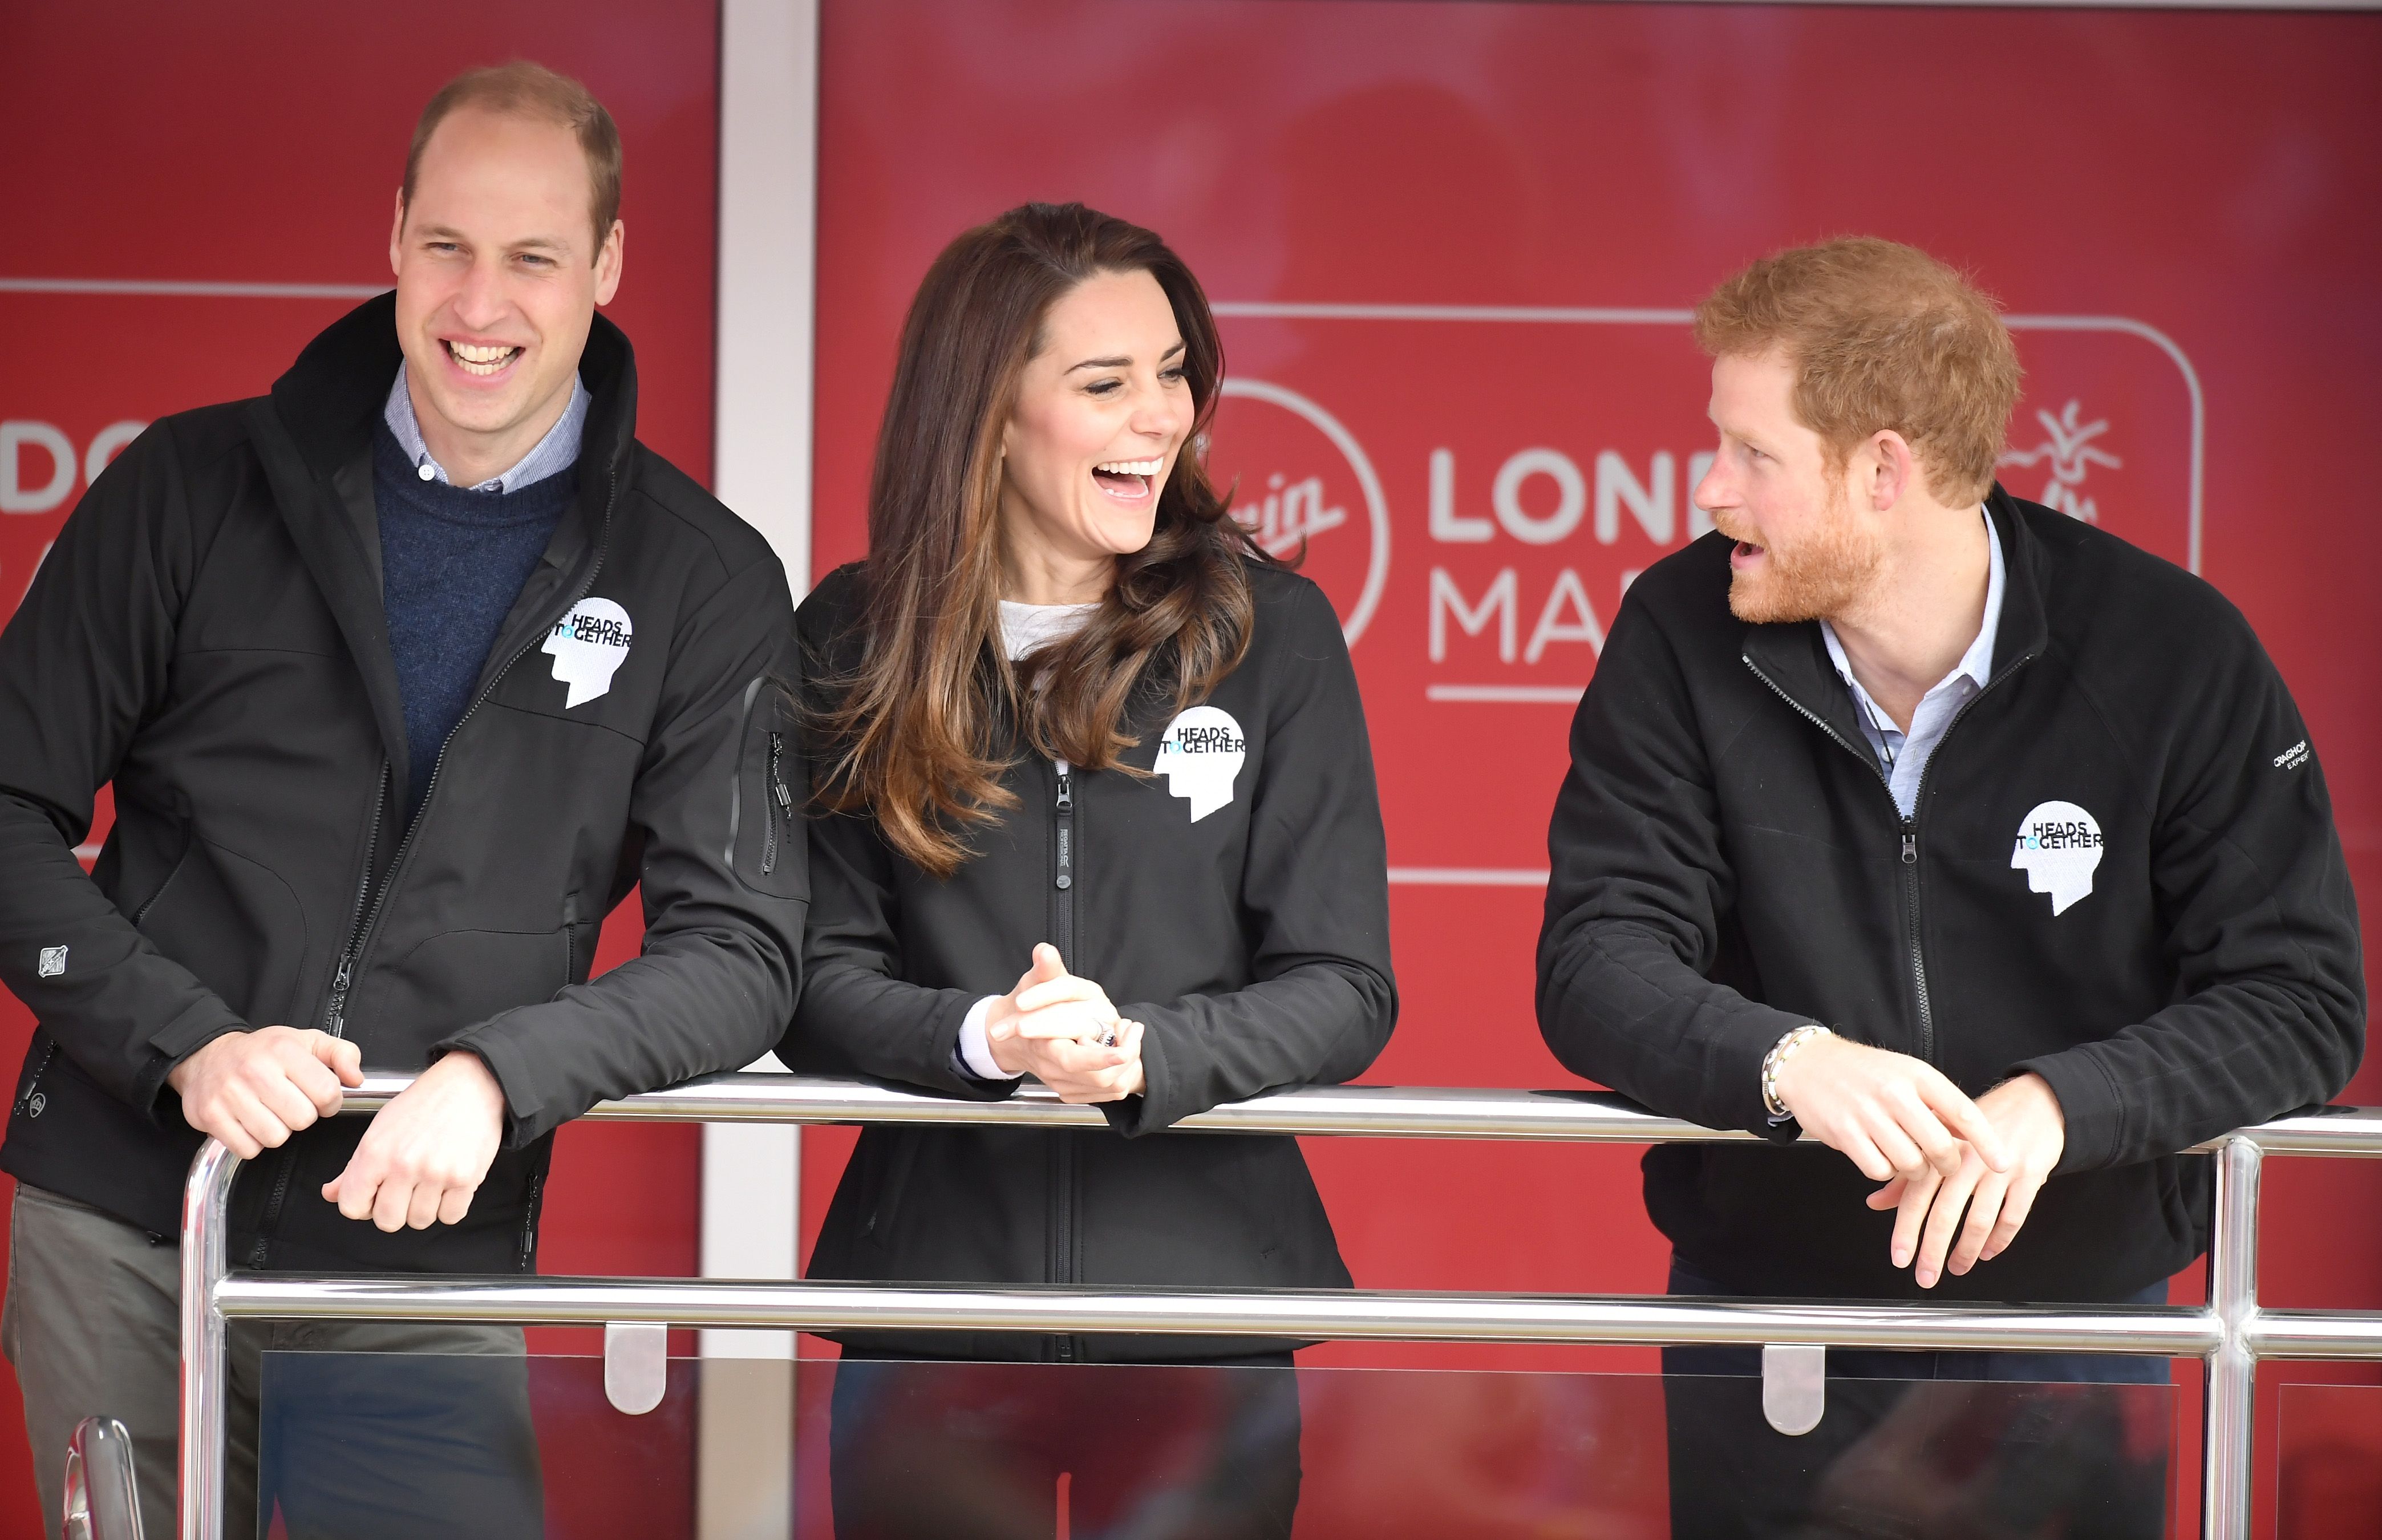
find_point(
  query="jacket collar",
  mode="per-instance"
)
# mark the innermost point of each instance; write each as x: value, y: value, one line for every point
x: 314, y: 435
x: 1793, y: 658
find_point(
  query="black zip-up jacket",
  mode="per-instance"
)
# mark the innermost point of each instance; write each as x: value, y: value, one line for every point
x: 1252, y: 942
x: 208, y: 635
x: 1728, y: 864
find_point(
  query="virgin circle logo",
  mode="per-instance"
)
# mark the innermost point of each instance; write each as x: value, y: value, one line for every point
x: 1299, y: 482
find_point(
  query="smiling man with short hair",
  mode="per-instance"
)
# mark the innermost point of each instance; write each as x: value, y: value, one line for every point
x: 403, y: 676
x: 1977, y: 848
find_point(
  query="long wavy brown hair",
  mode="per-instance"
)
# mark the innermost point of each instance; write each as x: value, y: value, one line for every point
x: 934, y: 714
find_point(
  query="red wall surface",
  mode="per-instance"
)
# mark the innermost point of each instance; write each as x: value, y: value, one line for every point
x: 2184, y: 205
x: 263, y: 144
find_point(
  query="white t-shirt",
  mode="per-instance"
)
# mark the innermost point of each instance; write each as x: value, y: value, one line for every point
x: 1028, y: 628
x: 1023, y: 628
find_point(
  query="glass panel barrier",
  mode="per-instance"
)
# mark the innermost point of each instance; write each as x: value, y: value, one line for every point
x: 2328, y: 1461
x: 370, y: 1446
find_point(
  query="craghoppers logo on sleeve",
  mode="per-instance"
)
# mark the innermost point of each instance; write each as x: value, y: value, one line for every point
x: 588, y: 646
x: 2058, y: 848
x: 1200, y: 756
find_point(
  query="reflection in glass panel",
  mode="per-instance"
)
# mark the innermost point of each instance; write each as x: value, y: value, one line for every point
x: 2328, y: 1461
x: 364, y: 1446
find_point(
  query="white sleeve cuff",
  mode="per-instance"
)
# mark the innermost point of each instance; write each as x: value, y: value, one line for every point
x: 976, y: 1053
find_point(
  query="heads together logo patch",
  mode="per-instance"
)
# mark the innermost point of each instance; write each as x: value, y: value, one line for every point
x: 588, y: 646
x: 1200, y: 756
x: 2058, y: 848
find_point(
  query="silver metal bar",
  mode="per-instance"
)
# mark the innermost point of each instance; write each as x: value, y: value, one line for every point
x: 2162, y: 1331
x: 2315, y: 1334
x: 206, y: 1367
x: 1373, y: 1111
x: 2348, y: 1130
x: 1376, y: 1111
x: 2232, y: 1386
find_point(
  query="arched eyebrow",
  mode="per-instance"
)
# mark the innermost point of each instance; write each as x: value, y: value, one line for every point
x: 1122, y: 362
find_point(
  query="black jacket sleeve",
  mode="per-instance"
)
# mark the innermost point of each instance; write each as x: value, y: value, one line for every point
x: 857, y: 1014
x: 83, y: 660
x: 1638, y: 879
x: 2259, y: 927
x: 719, y: 972
x: 1315, y: 888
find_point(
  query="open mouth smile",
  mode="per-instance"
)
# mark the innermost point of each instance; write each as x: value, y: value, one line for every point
x: 481, y: 362
x: 1128, y: 481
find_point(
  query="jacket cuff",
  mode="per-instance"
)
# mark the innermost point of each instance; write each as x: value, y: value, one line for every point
x: 974, y: 1055
x: 1741, y: 1071
x: 2088, y: 1106
x: 186, y: 1034
x: 527, y: 1117
x: 947, y: 1056
x: 1154, y: 1109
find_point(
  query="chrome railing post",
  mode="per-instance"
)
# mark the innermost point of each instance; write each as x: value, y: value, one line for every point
x: 2226, y: 1462
x: 206, y: 1367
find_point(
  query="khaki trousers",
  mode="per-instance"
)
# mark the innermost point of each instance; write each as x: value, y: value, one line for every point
x: 352, y: 1446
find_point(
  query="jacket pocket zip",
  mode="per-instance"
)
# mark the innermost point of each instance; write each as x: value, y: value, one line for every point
x: 781, y: 801
x: 529, y: 1224
x: 32, y: 1087
x: 897, y: 1182
x: 1063, y: 1268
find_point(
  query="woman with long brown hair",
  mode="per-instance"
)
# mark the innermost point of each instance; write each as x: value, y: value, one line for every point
x: 1093, y: 803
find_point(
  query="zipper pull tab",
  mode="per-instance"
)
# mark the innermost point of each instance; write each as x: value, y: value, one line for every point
x: 785, y: 799
x: 335, y: 1019
x: 1064, y: 876
x: 1910, y: 848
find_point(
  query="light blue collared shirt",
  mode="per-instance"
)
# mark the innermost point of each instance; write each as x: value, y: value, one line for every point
x: 552, y: 455
x: 1904, y: 756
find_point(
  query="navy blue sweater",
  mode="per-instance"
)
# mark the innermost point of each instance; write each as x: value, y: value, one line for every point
x: 452, y: 562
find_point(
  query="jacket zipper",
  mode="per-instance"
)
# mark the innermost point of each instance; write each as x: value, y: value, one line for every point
x: 1909, y: 828
x: 334, y: 1021
x: 781, y: 801
x: 360, y: 936
x: 1062, y: 928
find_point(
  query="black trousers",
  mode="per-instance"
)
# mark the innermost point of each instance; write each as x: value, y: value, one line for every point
x: 389, y: 1446
x: 921, y: 1449
x: 1945, y: 1446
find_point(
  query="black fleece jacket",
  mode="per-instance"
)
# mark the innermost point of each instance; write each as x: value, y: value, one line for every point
x: 208, y: 635
x: 1251, y: 939
x: 1728, y: 864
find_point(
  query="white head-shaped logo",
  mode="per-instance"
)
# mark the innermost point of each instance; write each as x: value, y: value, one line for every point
x: 1199, y: 755
x: 2058, y: 848
x: 588, y: 646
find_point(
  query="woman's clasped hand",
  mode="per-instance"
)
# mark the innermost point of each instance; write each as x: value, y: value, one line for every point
x: 1062, y: 1031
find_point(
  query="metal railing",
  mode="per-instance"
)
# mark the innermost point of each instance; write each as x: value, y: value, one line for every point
x: 2229, y: 1334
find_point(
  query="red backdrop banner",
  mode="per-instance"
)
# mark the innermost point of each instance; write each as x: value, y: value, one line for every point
x: 1453, y: 246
